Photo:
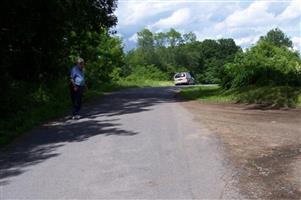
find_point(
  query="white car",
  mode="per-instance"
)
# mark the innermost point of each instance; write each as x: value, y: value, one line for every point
x: 183, y: 78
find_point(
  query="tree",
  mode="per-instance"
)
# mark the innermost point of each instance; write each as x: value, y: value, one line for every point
x: 277, y: 38
x: 160, y: 39
x: 174, y: 38
x: 189, y: 37
x: 37, y: 39
x: 170, y: 52
x: 146, y: 45
x: 228, y: 48
x: 145, y: 39
x: 36, y: 34
x: 265, y: 64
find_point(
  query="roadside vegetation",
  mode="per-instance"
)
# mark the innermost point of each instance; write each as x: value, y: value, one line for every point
x: 37, y: 51
x: 269, y: 73
x: 270, y: 96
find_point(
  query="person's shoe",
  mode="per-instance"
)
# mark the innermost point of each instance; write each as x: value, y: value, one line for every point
x: 73, y: 117
x: 77, y: 116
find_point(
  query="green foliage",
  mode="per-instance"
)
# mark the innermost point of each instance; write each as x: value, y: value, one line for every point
x: 34, y: 106
x: 45, y: 102
x: 262, y: 65
x: 38, y: 46
x: 215, y: 54
x: 148, y: 72
x: 269, y: 73
x: 103, y: 54
x: 35, y: 35
x: 189, y: 38
x: 213, y: 94
x: 174, y: 38
x: 145, y: 39
x: 126, y: 83
x: 172, y: 52
x: 278, y: 96
x: 277, y: 38
x: 39, y: 40
x: 115, y: 75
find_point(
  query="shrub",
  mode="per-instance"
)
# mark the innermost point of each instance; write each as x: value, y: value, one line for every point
x: 264, y: 65
x: 148, y: 72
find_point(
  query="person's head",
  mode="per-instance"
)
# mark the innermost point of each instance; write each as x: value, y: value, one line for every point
x: 80, y: 62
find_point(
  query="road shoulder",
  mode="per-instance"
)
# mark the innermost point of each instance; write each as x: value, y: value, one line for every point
x: 264, y: 146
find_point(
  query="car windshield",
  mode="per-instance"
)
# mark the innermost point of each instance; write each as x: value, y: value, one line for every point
x: 180, y: 75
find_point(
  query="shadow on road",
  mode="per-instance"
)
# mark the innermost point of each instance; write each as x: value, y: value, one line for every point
x: 99, y: 118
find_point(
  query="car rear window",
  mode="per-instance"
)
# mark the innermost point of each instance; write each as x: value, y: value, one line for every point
x: 180, y: 75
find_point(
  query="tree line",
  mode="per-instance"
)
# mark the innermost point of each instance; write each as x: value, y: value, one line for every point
x: 172, y: 51
x: 271, y: 61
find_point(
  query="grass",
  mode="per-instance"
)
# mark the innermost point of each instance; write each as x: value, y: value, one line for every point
x: 144, y: 83
x: 57, y: 105
x: 213, y: 94
x: 280, y: 96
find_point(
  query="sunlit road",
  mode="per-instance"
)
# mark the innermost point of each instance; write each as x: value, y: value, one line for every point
x: 138, y: 143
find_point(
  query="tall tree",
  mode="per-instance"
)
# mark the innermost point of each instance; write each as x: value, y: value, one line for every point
x: 160, y: 39
x: 146, y: 46
x: 277, y: 37
x: 174, y: 38
x: 189, y: 37
x: 37, y: 37
x: 145, y: 39
x: 36, y: 34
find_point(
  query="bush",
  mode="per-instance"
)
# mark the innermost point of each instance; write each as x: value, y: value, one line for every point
x: 264, y: 65
x: 148, y: 72
x: 279, y: 96
x: 31, y: 104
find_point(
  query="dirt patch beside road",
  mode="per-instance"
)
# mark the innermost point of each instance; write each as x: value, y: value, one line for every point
x: 264, y: 146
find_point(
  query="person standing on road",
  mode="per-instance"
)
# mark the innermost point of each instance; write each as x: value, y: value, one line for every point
x: 77, y: 87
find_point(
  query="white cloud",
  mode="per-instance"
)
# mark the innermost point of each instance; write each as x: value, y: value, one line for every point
x: 133, y: 12
x: 292, y: 11
x: 257, y: 20
x: 177, y: 18
x: 244, y: 21
x: 119, y: 35
x: 134, y: 38
x: 297, y: 42
x: 256, y: 15
x: 247, y: 41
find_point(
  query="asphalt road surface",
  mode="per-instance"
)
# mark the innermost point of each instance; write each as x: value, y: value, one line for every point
x: 137, y: 143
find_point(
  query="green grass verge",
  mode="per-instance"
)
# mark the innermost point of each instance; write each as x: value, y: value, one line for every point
x: 280, y: 96
x: 213, y: 94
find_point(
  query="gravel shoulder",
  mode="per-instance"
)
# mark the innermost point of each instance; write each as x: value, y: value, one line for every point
x: 264, y: 146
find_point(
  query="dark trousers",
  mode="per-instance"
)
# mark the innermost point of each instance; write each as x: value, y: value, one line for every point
x: 76, y: 98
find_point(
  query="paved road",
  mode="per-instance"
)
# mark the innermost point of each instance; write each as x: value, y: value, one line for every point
x: 138, y: 143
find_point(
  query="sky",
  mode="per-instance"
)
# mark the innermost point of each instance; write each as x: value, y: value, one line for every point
x: 244, y: 21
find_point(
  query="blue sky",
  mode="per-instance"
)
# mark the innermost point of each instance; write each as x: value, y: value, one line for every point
x: 244, y: 20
